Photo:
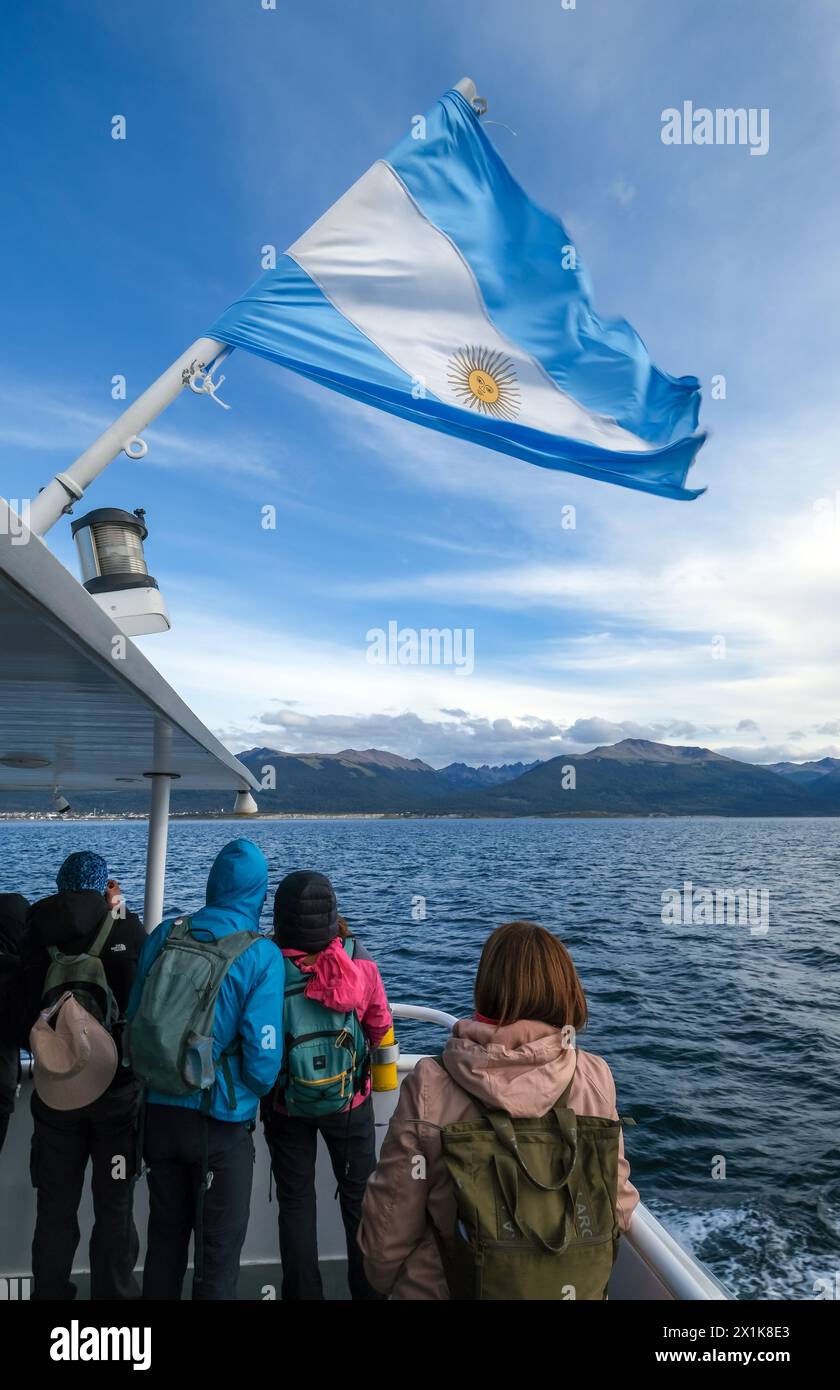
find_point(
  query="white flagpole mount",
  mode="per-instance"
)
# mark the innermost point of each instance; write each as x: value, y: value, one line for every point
x: 468, y: 90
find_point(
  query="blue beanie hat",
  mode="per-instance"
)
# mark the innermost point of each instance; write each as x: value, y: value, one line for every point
x: 83, y: 870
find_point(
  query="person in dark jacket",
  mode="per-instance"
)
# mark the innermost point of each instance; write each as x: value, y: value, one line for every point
x: 13, y: 910
x: 102, y: 1132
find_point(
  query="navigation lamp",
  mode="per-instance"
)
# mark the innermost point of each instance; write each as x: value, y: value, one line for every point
x: 110, y: 546
x: 245, y: 805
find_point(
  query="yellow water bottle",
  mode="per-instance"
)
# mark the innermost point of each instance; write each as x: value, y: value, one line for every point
x: 384, y: 1063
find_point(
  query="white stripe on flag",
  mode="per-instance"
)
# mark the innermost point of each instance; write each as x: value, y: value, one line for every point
x: 403, y: 283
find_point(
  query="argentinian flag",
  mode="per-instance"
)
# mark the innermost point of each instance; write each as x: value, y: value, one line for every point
x: 436, y: 290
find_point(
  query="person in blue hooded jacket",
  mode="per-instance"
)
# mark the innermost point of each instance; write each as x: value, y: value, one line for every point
x: 185, y: 1139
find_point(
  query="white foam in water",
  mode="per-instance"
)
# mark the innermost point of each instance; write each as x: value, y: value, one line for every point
x: 757, y: 1250
x: 828, y: 1209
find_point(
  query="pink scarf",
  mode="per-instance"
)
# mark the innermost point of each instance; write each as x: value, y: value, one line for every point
x: 335, y: 980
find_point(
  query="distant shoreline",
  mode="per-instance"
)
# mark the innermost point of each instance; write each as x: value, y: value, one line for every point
x: 31, y: 818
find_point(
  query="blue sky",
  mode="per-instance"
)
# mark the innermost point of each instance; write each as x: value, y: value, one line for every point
x: 243, y: 125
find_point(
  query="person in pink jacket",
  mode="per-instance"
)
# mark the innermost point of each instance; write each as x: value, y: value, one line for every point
x: 516, y: 1054
x: 310, y: 933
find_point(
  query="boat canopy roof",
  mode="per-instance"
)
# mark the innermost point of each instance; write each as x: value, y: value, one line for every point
x: 80, y: 706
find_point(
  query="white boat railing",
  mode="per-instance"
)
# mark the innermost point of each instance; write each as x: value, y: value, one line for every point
x: 423, y: 1015
x: 418, y: 1013
x: 685, y: 1278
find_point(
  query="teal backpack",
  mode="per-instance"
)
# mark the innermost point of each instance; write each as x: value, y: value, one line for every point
x: 325, y: 1053
x: 169, y: 1041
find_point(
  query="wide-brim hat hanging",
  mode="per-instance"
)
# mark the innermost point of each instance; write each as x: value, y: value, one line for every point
x: 76, y: 1061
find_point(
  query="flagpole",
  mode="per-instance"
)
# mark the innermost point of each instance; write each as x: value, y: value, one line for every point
x: 66, y: 488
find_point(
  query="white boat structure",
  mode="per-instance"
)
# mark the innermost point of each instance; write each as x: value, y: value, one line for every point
x: 81, y: 708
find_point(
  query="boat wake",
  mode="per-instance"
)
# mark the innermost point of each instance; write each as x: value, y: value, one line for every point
x: 763, y: 1250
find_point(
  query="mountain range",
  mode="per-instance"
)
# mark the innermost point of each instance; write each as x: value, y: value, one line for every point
x: 635, y: 777
x: 821, y: 777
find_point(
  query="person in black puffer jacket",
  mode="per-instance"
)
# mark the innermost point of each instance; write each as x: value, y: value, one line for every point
x: 64, y: 1140
x: 13, y: 910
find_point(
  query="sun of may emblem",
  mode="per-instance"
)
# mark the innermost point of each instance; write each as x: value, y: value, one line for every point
x: 485, y: 381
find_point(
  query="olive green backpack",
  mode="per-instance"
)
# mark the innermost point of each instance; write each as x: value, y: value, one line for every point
x: 84, y: 975
x: 536, y: 1205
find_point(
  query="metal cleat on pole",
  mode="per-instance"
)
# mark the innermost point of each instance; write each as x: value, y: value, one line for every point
x: 201, y: 379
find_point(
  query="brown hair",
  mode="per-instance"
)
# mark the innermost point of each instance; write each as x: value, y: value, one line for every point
x: 526, y: 972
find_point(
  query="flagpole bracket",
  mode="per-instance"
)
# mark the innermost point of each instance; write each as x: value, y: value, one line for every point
x: 468, y: 91
x: 71, y: 487
x: 135, y: 447
x: 201, y: 380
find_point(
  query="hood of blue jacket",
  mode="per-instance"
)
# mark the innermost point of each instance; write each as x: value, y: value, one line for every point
x: 236, y: 889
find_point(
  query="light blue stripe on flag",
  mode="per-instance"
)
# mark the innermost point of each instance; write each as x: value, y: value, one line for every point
x: 536, y: 293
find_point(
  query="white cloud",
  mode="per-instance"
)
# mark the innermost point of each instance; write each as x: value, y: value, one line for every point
x: 640, y: 600
x: 465, y: 739
x: 622, y: 191
x: 594, y: 730
x: 778, y: 753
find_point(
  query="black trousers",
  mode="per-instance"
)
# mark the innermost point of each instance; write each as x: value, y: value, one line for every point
x: 201, y: 1172
x: 292, y: 1142
x: 9, y: 1068
x: 62, y: 1143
